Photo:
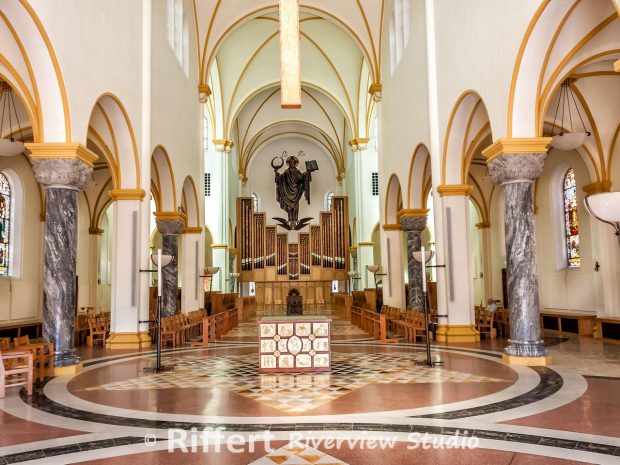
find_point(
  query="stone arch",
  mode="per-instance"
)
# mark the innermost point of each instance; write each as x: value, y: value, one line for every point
x: 419, y: 177
x: 189, y: 202
x: 393, y: 200
x: 163, y: 178
x: 561, y: 37
x: 467, y: 127
x: 110, y: 134
x: 29, y: 64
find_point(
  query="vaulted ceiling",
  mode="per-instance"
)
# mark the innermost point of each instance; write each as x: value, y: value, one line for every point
x: 336, y: 71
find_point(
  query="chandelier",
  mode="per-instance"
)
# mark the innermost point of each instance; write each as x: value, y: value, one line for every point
x: 573, y: 139
x: 9, y: 146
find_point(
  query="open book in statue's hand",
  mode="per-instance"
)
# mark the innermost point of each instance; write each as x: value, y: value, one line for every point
x: 312, y: 165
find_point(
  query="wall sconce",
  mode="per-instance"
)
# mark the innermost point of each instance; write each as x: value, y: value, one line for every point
x: 605, y: 207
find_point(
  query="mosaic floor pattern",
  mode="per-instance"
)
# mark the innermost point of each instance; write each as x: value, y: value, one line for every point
x: 294, y: 393
x: 297, y: 453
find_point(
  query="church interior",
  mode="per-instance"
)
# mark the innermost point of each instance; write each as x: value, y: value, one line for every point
x: 309, y: 232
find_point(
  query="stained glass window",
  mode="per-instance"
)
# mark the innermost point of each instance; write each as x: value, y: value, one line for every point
x: 5, y: 224
x: 571, y: 222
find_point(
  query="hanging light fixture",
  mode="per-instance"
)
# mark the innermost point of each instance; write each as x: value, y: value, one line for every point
x: 290, y: 61
x: 9, y: 146
x: 573, y: 139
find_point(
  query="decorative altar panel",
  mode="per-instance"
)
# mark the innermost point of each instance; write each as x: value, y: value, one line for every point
x: 294, y: 344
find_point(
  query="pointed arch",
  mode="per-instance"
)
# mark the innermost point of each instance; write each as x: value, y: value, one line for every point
x: 163, y: 178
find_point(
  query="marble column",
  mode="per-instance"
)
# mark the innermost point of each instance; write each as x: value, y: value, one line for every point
x: 170, y: 230
x: 516, y: 174
x: 413, y: 227
x: 62, y: 180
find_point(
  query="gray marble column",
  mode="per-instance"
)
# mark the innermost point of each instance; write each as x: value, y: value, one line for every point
x: 62, y: 180
x: 516, y: 174
x: 170, y: 230
x: 413, y: 227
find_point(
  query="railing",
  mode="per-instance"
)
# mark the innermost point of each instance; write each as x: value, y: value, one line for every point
x: 369, y: 321
x: 217, y: 325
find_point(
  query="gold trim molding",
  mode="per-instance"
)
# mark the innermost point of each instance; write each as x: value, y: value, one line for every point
x: 66, y: 150
x: 192, y: 230
x: 392, y: 227
x: 457, y: 333
x: 597, y: 187
x: 541, y: 361
x: 516, y: 145
x: 204, y: 92
x: 365, y: 244
x: 375, y: 91
x: 483, y: 225
x: 412, y: 213
x: 95, y: 231
x: 359, y: 144
x: 617, y: 66
x: 127, y: 194
x: 454, y: 189
x: 163, y: 216
x: 223, y: 145
x: 219, y: 246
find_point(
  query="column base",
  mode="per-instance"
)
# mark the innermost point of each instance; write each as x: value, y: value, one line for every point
x: 457, y: 333
x: 67, y: 370
x: 128, y: 341
x: 540, y: 361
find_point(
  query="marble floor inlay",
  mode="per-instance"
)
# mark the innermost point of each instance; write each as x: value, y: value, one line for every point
x: 294, y: 393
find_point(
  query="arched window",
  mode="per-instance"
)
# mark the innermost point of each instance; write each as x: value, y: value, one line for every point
x: 177, y: 31
x: 328, y: 200
x: 256, y: 201
x: 571, y: 221
x: 5, y: 225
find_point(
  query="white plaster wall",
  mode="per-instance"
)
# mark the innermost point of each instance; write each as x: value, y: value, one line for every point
x: 403, y: 109
x: 477, y: 45
x: 565, y: 288
x: 21, y: 298
x: 92, y: 66
x: 261, y: 177
x: 176, y: 113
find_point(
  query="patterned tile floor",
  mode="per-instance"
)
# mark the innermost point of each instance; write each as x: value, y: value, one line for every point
x: 297, y: 453
x: 294, y: 393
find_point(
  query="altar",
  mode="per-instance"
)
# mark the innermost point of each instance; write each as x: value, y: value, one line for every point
x: 294, y: 344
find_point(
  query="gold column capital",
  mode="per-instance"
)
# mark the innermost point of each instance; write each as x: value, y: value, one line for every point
x: 192, y: 230
x: 359, y: 144
x: 223, y: 145
x: 64, y: 150
x: 514, y: 145
x: 454, y: 189
x: 412, y: 213
x: 163, y: 216
x: 392, y: 227
x: 483, y: 225
x: 127, y: 194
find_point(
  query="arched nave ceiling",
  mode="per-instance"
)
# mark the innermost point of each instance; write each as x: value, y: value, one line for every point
x: 597, y: 96
x: 564, y: 38
x: 247, y: 64
x: 29, y: 64
x: 261, y: 120
x: 361, y: 19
